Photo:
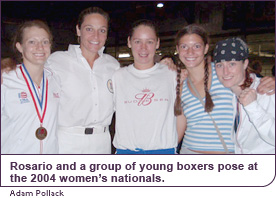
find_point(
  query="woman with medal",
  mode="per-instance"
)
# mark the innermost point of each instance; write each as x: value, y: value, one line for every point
x: 255, y: 114
x: 85, y: 72
x: 30, y: 95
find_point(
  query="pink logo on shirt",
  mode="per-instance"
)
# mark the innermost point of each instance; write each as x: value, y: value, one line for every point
x: 144, y: 98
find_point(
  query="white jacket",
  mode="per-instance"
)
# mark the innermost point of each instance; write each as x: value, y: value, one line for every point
x: 256, y: 131
x: 19, y: 119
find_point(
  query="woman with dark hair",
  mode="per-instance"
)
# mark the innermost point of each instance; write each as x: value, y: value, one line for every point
x: 29, y: 102
x: 144, y: 97
x: 86, y: 106
x: 207, y: 104
x: 255, y: 113
x: 201, y: 136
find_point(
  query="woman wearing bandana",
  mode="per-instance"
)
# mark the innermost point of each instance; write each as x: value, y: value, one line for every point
x: 255, y: 114
x: 207, y: 104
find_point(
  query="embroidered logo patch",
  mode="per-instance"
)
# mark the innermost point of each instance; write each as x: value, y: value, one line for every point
x: 110, y: 86
x: 23, y: 97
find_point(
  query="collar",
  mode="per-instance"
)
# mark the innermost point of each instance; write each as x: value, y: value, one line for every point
x: 77, y: 50
x: 47, y: 71
x: 255, y: 82
x: 131, y: 67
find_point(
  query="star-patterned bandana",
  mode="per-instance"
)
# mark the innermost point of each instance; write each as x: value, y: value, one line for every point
x: 231, y: 49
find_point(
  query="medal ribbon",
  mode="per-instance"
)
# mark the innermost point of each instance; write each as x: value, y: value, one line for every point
x: 32, y: 89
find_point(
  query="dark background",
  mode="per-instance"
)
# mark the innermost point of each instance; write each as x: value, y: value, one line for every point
x: 252, y: 21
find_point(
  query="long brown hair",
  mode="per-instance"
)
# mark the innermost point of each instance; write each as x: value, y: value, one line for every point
x: 177, y: 103
x: 200, y: 31
x: 247, y: 81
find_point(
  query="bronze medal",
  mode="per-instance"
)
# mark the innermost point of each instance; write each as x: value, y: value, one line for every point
x: 41, y: 133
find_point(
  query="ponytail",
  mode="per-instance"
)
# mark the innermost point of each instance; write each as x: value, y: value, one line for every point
x: 177, y: 103
x: 248, y: 81
x: 209, y: 105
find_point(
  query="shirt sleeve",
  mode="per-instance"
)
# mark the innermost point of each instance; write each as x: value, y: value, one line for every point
x: 261, y: 114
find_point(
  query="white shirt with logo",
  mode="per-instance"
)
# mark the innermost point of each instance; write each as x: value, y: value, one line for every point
x: 144, y: 105
x: 19, y: 119
x: 86, y: 98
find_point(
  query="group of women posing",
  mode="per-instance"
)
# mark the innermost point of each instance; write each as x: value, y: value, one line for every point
x: 65, y: 105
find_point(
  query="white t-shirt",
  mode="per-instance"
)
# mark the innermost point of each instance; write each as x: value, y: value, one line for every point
x: 19, y: 119
x: 144, y: 104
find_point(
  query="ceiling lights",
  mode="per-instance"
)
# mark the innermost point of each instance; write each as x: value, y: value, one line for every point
x: 160, y: 5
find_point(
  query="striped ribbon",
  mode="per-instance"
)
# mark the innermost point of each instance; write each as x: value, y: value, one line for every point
x: 39, y: 103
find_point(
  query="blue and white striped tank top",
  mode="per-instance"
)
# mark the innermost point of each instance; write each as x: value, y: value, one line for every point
x: 201, y: 134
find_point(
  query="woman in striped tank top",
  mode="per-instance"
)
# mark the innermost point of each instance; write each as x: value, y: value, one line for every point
x: 201, y: 135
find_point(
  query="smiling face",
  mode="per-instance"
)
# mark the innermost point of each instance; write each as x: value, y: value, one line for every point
x: 92, y: 33
x: 191, y: 50
x: 232, y: 73
x: 143, y: 44
x: 35, y: 46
